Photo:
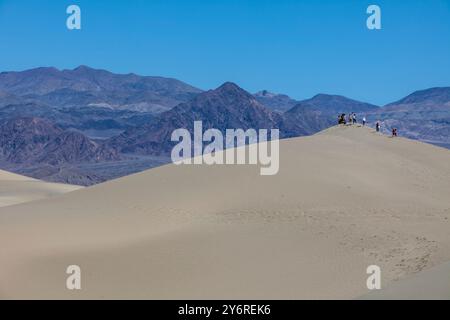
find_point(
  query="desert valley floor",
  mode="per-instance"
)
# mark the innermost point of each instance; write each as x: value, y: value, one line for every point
x: 344, y: 199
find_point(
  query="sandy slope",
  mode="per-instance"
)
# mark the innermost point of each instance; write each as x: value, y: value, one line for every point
x: 432, y: 284
x: 343, y: 199
x: 15, y: 189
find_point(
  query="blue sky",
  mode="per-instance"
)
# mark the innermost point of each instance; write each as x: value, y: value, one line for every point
x: 300, y: 48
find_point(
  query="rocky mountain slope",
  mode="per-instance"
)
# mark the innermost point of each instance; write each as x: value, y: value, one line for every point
x: 225, y: 107
x: 43, y: 149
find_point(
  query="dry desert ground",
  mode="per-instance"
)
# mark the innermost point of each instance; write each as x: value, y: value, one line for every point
x: 344, y: 199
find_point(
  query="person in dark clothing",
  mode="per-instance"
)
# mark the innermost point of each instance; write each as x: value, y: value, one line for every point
x: 394, y: 132
x: 377, y: 126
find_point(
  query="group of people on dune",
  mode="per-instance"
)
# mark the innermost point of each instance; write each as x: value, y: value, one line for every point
x: 351, y: 119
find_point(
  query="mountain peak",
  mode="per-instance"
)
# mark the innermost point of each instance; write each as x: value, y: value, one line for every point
x: 82, y: 68
x: 229, y: 86
x: 334, y: 104
x: 327, y: 96
x: 229, y: 92
x: 230, y: 89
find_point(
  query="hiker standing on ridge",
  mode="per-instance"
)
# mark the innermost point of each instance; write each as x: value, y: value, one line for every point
x: 354, y: 118
x: 394, y: 132
x: 377, y: 126
x: 364, y: 121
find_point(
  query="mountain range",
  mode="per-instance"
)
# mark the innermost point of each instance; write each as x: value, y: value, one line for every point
x: 85, y: 126
x: 84, y: 86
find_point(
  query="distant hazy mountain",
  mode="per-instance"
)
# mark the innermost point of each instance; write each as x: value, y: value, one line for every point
x: 320, y: 112
x: 423, y: 115
x: 85, y: 86
x: 22, y: 139
x: 35, y: 143
x: 433, y: 97
x: 74, y: 147
x: 276, y: 102
x: 34, y: 140
x: 305, y: 120
x: 95, y: 122
x: 332, y: 105
x: 226, y: 107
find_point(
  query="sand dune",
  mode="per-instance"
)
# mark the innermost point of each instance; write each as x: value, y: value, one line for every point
x: 15, y: 189
x: 433, y: 284
x: 343, y: 199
